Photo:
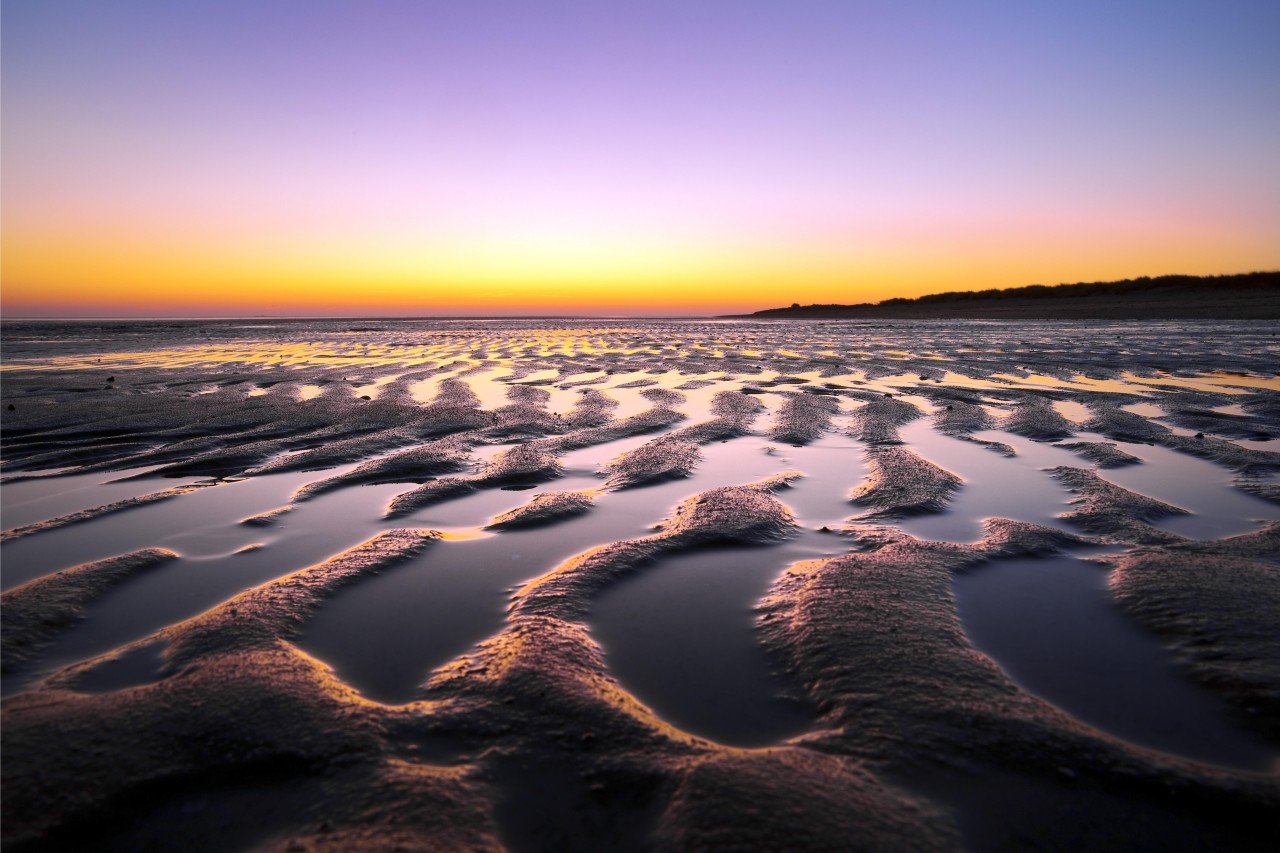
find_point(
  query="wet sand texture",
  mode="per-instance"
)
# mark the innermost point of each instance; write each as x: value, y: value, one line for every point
x: 1107, y: 510
x: 1102, y: 453
x: 35, y: 611
x: 902, y: 483
x: 1216, y: 608
x: 544, y: 509
x: 874, y: 636
x: 97, y: 512
x: 575, y: 458
x: 803, y: 418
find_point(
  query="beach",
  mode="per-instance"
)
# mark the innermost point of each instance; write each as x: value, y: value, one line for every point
x: 626, y: 583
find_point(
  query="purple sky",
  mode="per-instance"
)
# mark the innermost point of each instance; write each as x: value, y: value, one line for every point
x: 691, y: 154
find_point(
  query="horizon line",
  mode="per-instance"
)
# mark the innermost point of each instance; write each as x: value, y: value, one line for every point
x: 383, y: 317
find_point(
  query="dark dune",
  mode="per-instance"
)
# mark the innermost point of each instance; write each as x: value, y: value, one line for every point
x: 1249, y: 296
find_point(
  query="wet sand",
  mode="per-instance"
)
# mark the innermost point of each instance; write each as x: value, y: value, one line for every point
x: 556, y: 584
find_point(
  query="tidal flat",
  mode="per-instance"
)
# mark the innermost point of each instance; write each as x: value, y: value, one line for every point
x: 640, y: 584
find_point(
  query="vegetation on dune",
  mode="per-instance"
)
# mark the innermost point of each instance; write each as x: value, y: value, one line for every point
x: 1145, y: 287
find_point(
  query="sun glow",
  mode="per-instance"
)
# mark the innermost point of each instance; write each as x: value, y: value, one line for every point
x: 171, y: 160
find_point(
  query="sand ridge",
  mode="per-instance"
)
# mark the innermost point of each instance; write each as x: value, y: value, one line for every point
x: 528, y: 739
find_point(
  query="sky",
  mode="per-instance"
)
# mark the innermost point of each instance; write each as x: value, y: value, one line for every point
x: 489, y: 157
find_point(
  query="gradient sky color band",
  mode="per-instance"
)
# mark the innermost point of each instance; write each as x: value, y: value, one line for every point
x: 639, y: 158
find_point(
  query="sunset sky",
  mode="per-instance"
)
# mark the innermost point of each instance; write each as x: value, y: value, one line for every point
x: 690, y: 157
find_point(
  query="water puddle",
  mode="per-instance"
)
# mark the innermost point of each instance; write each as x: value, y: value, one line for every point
x: 483, y: 454
x: 424, y: 391
x: 681, y: 636
x: 1146, y: 410
x: 1075, y: 412
x: 373, y: 390
x: 630, y: 401
x: 200, y: 523
x: 1051, y: 624
x: 1268, y: 444
x: 832, y: 466
x: 141, y: 665
x: 456, y: 594
x: 924, y: 404
x: 315, y: 531
x: 562, y: 401
x: 487, y: 387
x: 29, y: 501
x: 699, y: 401
x: 1207, y: 383
x: 385, y: 635
x: 585, y: 461
x: 1205, y: 489
x: 995, y: 486
x: 474, y: 510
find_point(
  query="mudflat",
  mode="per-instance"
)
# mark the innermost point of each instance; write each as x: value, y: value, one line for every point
x: 638, y: 584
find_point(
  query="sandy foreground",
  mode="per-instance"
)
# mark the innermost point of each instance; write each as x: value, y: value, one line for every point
x: 557, y: 585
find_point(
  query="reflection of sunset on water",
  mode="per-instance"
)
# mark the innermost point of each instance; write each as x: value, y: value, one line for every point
x: 560, y: 426
x: 626, y: 525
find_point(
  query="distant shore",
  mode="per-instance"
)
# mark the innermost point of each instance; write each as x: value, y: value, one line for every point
x: 1249, y: 296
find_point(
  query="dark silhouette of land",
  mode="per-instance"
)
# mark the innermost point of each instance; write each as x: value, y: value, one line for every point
x: 1247, y: 296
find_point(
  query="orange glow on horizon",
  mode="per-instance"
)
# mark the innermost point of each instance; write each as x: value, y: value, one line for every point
x: 620, y: 159
x: 118, y: 273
